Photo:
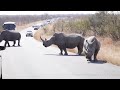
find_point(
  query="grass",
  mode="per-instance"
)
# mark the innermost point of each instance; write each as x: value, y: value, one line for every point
x: 110, y: 50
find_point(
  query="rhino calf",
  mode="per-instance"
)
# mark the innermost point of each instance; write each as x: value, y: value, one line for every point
x: 10, y: 36
x: 91, y: 47
x: 64, y: 41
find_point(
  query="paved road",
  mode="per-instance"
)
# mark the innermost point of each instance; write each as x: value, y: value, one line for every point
x: 33, y: 61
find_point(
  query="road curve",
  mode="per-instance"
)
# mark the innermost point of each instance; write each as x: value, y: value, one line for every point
x: 33, y: 61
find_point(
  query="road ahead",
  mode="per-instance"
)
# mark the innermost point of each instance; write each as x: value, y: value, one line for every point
x: 33, y: 61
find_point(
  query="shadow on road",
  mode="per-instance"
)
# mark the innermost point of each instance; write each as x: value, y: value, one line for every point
x: 2, y: 48
x: 63, y: 55
x: 14, y: 46
x: 98, y: 62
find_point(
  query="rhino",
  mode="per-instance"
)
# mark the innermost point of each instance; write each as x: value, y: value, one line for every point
x: 10, y: 36
x: 64, y: 41
x: 91, y: 48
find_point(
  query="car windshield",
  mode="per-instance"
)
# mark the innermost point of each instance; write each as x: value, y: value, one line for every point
x: 29, y: 31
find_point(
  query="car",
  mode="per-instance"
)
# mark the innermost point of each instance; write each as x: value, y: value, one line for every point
x: 9, y: 26
x: 29, y: 33
x: 35, y: 27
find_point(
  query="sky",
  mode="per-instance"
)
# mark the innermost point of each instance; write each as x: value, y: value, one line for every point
x: 44, y: 12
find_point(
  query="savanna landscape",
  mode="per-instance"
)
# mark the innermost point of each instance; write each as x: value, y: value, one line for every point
x: 105, y: 26
x: 29, y: 54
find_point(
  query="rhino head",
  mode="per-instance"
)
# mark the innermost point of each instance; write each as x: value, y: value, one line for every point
x: 49, y: 42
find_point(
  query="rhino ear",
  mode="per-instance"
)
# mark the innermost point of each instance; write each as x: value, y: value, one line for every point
x: 45, y: 39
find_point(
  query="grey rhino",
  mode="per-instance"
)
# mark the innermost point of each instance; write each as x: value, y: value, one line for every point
x: 10, y: 36
x: 64, y: 41
x: 91, y: 47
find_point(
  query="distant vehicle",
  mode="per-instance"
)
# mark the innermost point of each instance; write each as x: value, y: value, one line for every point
x: 9, y: 26
x: 48, y: 21
x: 35, y: 27
x: 29, y: 34
x: 41, y: 25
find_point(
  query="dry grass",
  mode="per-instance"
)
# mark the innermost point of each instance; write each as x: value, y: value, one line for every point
x: 110, y: 50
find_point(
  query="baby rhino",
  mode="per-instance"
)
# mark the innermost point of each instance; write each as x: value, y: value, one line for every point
x: 91, y: 47
x: 64, y: 41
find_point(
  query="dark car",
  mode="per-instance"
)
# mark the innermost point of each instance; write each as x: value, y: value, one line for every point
x: 29, y: 34
x: 9, y: 26
x: 35, y: 27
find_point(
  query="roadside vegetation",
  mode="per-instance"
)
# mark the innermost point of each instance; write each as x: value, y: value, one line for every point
x: 104, y: 25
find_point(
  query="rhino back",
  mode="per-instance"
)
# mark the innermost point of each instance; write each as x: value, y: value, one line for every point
x: 68, y: 40
x: 59, y: 39
x: 74, y: 40
x: 7, y: 35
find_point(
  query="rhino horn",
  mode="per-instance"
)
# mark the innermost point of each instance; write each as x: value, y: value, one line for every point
x: 45, y: 39
x: 41, y: 38
x: 93, y: 41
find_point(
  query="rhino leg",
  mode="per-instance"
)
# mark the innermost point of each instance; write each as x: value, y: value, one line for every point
x: 61, y: 51
x: 95, y: 55
x: 80, y: 49
x: 18, y: 42
x: 14, y: 43
x: 6, y: 42
x: 65, y: 51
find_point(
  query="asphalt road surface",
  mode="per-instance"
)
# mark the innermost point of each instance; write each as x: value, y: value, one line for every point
x: 34, y: 61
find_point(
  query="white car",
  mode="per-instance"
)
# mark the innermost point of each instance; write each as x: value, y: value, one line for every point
x: 29, y: 33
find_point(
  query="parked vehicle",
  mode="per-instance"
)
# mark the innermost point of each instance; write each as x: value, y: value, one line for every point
x: 29, y: 34
x: 9, y: 26
x: 35, y: 27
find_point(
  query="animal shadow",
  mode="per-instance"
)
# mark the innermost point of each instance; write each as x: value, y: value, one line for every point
x: 2, y: 48
x: 97, y: 62
x: 71, y: 55
x: 63, y: 55
x: 52, y: 54
x: 14, y: 46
